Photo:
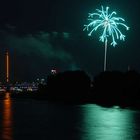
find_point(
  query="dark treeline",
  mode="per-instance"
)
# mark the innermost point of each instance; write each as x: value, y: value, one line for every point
x: 108, y: 88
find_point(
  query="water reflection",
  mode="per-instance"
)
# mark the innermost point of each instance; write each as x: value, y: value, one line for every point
x: 6, y: 130
x: 34, y: 120
x: 107, y: 124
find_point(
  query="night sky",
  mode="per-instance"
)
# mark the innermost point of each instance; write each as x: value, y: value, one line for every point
x: 45, y: 34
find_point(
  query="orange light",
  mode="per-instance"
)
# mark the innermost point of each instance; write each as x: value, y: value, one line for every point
x: 7, y: 67
x: 7, y: 118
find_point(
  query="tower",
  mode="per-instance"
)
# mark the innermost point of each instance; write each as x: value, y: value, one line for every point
x: 7, y: 66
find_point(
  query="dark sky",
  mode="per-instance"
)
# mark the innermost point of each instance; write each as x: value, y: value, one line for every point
x: 46, y: 34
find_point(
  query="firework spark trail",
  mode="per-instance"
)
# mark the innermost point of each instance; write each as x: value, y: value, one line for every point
x: 109, y: 23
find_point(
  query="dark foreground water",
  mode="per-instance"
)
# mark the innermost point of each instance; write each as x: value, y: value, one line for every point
x: 39, y: 120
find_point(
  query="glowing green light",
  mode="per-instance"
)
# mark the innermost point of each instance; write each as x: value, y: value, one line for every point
x: 109, y: 24
x: 107, y: 123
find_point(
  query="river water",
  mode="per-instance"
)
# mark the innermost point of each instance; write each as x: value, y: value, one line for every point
x: 27, y: 119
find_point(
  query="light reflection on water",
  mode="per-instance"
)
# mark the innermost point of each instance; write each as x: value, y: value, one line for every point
x: 7, y: 126
x: 108, y: 124
x: 33, y: 120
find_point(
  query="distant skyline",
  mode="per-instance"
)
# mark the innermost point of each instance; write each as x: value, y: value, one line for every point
x: 45, y: 34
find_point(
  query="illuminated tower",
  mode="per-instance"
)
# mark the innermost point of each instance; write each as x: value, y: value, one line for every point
x: 7, y: 66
